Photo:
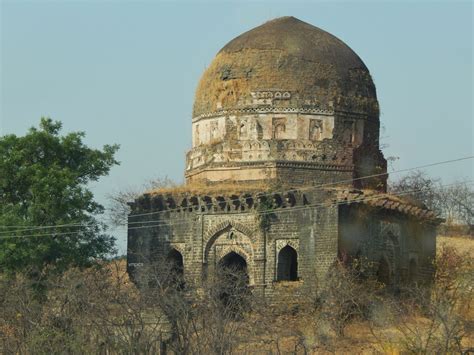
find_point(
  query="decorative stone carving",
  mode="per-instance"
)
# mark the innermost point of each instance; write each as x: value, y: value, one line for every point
x: 281, y: 243
x: 230, y: 225
x: 214, y: 130
x: 243, y: 132
x: 348, y: 131
x: 243, y: 250
x: 265, y: 109
x: 196, y: 135
x: 271, y: 94
x: 315, y: 130
x: 387, y: 228
x: 279, y: 128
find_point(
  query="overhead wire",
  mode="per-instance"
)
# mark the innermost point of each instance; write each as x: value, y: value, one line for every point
x: 322, y: 186
x: 283, y: 210
x: 310, y: 188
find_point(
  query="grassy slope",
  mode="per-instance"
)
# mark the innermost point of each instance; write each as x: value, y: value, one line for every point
x: 461, y: 244
x: 359, y: 339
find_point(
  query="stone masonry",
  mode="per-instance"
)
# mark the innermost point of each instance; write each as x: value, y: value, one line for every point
x: 287, y: 115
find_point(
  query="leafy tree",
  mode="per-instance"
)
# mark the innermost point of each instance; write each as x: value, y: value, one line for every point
x: 43, y: 183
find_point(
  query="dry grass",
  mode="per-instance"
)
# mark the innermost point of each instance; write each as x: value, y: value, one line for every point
x: 462, y: 244
x: 290, y: 332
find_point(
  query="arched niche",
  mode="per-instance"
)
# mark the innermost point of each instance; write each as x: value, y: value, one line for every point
x: 259, y: 129
x: 175, y: 268
x: 175, y: 260
x: 279, y: 130
x: 288, y: 260
x: 232, y: 280
x: 231, y: 238
x: 235, y: 263
x: 287, y: 264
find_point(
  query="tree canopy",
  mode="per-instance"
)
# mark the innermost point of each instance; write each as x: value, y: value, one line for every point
x: 453, y: 201
x: 48, y: 215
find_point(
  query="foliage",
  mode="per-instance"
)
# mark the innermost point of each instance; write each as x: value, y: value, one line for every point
x: 453, y: 202
x: 457, y: 203
x: 345, y: 294
x: 419, y: 186
x: 100, y: 309
x: 433, y: 318
x: 43, y: 182
x: 118, y: 209
x: 264, y: 212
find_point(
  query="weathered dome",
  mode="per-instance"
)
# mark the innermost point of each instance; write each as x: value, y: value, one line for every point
x: 311, y: 65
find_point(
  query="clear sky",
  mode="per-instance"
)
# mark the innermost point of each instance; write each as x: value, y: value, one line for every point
x: 125, y: 72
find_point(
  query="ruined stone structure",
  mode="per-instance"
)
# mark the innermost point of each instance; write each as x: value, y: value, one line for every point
x: 287, y: 115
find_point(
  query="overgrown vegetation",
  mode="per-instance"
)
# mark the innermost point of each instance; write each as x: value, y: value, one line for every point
x: 99, y: 310
x: 58, y: 295
x: 454, y: 202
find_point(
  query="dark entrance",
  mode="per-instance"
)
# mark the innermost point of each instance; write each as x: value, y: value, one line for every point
x: 234, y: 267
x: 233, y: 281
x: 287, y: 269
x: 176, y: 268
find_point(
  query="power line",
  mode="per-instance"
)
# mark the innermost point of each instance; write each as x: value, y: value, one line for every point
x: 321, y: 186
x: 292, y: 209
x: 311, y: 188
x: 26, y: 228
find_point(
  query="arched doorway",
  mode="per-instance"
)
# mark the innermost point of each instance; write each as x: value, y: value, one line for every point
x: 233, y: 280
x: 234, y: 266
x: 287, y: 269
x: 176, y: 268
x: 383, y: 272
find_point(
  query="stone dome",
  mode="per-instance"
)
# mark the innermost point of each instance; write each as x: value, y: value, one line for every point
x: 313, y: 68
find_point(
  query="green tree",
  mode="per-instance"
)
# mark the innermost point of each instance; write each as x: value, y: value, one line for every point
x: 44, y: 179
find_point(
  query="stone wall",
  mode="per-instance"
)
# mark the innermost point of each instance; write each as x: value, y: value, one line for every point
x: 257, y: 230
x: 313, y: 228
x: 406, y: 245
x: 243, y: 146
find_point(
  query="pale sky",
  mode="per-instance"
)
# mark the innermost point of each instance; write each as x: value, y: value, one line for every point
x: 125, y: 72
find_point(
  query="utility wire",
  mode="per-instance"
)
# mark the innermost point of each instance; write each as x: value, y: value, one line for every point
x: 291, y: 209
x: 322, y: 186
x: 310, y: 188
x: 377, y: 196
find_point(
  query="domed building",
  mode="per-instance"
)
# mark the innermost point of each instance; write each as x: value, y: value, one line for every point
x: 285, y: 173
x: 286, y: 101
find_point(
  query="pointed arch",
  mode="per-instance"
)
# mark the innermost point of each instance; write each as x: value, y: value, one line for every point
x: 287, y: 265
x: 176, y: 269
x: 175, y: 258
x: 217, y: 229
x: 226, y: 237
x: 233, y: 259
